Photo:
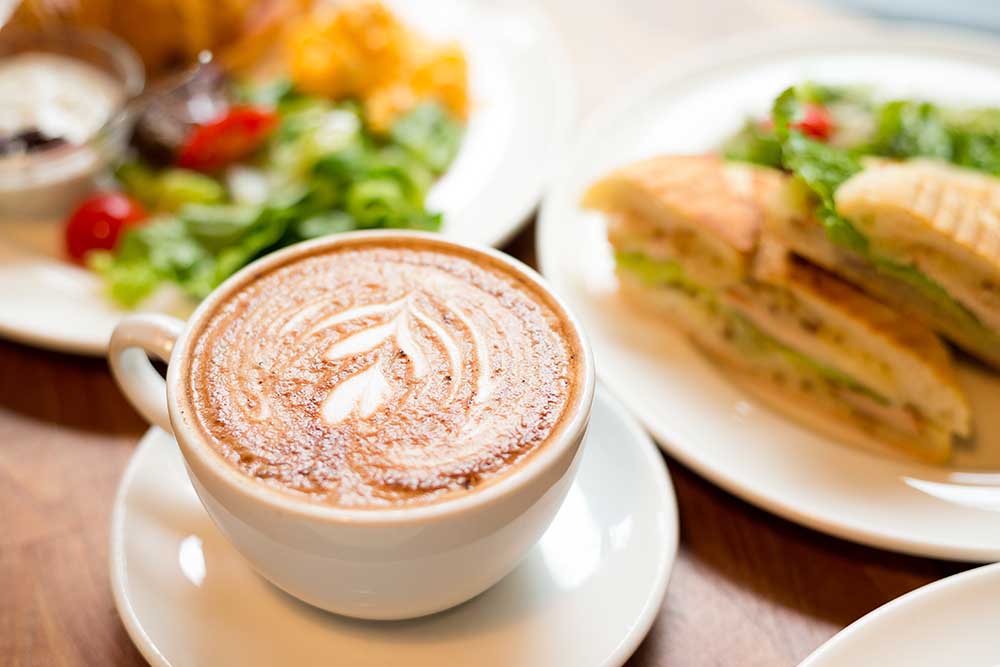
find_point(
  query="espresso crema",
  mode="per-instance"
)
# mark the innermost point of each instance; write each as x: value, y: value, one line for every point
x: 382, y: 373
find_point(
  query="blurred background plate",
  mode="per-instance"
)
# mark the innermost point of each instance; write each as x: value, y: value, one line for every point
x: 523, y: 109
x: 969, y: 13
x: 819, y: 478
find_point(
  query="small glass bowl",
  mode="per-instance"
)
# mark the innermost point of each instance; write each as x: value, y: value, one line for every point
x: 48, y: 183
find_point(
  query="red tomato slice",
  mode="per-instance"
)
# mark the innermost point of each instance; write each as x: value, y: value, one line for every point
x: 233, y: 136
x: 98, y: 223
x: 816, y: 122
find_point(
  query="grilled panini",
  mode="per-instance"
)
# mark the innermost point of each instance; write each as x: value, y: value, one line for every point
x: 686, y: 233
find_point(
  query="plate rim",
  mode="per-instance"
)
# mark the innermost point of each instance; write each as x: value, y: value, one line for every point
x: 710, y: 59
x: 51, y: 342
x: 565, y: 117
x: 664, y: 498
x: 931, y: 589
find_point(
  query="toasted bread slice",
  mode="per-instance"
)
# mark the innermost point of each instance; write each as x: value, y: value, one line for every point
x: 698, y: 207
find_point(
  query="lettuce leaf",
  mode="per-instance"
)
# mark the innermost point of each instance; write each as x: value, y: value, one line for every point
x: 929, y: 288
x: 912, y: 128
x: 430, y: 135
x: 659, y: 272
x: 821, y: 168
x: 748, y: 332
x: 906, y: 128
x: 169, y: 189
x: 755, y: 144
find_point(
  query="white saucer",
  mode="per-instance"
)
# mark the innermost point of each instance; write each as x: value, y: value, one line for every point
x: 816, y: 477
x: 523, y: 109
x: 585, y: 596
x: 949, y: 622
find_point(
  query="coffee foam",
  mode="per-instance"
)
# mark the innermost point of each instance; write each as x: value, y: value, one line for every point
x: 381, y: 374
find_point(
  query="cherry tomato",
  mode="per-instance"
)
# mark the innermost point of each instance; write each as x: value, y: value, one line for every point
x: 98, y: 222
x: 815, y: 122
x: 234, y: 135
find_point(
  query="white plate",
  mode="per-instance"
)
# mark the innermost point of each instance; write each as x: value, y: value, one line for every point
x: 585, y: 596
x: 695, y: 414
x: 522, y: 112
x: 950, y: 622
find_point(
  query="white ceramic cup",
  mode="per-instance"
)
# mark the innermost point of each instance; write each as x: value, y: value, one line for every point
x: 368, y: 563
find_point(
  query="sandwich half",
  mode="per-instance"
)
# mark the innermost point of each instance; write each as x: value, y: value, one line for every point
x: 925, y: 239
x: 686, y: 231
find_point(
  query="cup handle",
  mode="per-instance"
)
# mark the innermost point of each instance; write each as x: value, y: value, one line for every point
x: 133, y: 338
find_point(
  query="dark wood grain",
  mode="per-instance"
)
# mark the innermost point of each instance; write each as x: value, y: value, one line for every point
x: 747, y: 589
x: 65, y: 435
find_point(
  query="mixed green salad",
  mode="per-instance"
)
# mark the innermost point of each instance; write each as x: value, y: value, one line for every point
x: 279, y: 168
x: 821, y: 135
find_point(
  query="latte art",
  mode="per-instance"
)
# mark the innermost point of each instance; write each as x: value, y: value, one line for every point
x: 366, y: 391
x: 377, y: 375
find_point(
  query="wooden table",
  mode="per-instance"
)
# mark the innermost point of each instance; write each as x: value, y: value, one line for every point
x: 747, y: 589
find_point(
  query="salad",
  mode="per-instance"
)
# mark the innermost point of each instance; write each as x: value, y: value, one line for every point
x: 823, y: 135
x: 271, y: 164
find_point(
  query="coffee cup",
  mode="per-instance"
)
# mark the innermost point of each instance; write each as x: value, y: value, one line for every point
x: 402, y: 555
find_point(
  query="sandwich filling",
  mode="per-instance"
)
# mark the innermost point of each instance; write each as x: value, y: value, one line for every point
x: 773, y: 329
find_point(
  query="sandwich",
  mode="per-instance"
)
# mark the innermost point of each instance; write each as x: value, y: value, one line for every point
x: 922, y: 236
x: 686, y: 232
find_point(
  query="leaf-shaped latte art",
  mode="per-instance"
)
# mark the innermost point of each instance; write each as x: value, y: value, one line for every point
x: 365, y: 392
